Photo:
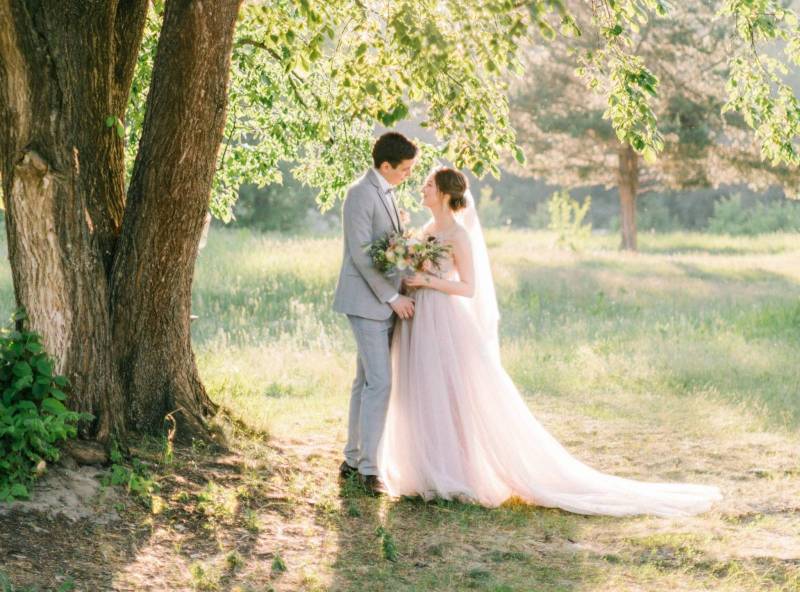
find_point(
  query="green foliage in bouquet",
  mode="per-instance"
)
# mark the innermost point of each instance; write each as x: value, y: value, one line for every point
x: 378, y: 250
x: 33, y: 418
x: 396, y: 252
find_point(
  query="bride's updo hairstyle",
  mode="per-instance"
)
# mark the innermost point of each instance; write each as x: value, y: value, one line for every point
x: 454, y: 184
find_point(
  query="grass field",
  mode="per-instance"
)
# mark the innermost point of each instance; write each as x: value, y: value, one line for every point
x: 677, y: 363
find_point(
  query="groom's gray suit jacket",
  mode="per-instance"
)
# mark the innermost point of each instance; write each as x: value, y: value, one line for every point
x: 368, y: 215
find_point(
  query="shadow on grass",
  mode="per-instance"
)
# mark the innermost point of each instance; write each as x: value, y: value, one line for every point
x: 727, y: 340
x: 745, y: 276
x: 604, y: 299
x: 381, y: 544
x: 197, y: 533
x: 710, y: 244
x: 410, y: 544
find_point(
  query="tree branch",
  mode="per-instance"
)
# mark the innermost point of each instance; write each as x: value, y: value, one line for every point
x: 291, y: 77
x: 129, y: 22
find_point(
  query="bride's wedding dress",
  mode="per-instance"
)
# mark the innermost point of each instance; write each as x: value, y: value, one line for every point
x: 457, y: 428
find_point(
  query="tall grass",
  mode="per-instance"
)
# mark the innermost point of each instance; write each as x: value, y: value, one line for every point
x: 677, y: 363
x: 690, y: 316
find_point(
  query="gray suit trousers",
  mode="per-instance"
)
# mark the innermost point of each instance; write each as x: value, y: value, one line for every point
x: 369, y: 398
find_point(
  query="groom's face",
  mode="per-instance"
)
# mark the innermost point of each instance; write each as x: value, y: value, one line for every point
x: 398, y: 174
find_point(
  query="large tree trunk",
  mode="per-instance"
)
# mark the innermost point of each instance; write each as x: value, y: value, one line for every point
x: 106, y: 280
x: 63, y: 179
x: 167, y: 202
x: 628, y: 182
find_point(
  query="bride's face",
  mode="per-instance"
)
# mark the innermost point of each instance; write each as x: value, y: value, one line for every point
x: 431, y: 197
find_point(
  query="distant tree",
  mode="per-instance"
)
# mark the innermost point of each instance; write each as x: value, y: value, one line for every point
x: 568, y: 133
x: 283, y: 206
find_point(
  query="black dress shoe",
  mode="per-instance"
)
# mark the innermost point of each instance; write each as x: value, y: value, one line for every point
x: 346, y: 471
x: 372, y: 485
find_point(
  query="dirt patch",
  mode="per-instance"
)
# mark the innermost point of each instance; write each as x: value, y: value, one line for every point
x: 71, y: 493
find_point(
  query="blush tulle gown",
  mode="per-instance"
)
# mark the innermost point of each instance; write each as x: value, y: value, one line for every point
x: 457, y: 428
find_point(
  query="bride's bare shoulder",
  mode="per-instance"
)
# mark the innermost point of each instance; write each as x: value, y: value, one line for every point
x: 461, y: 233
x: 460, y: 236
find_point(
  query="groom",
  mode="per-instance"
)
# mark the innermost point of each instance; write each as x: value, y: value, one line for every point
x: 371, y: 301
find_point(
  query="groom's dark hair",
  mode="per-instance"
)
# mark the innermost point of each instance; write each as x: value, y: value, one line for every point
x: 394, y: 148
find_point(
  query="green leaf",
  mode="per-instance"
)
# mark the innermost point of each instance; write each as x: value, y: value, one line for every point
x: 27, y: 405
x: 58, y: 394
x: 18, y: 490
x: 44, y: 366
x: 22, y: 369
x: 23, y: 382
x: 53, y: 406
x: 40, y: 389
x: 114, y: 122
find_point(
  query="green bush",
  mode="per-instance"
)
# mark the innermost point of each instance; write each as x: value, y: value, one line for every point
x: 731, y: 217
x: 33, y: 418
x: 653, y: 214
x: 566, y: 220
x: 540, y: 217
x: 282, y: 207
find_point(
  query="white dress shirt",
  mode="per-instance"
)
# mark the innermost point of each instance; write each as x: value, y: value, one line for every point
x: 386, y: 187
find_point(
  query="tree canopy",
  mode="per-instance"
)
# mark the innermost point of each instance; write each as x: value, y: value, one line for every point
x: 310, y: 80
x: 569, y: 142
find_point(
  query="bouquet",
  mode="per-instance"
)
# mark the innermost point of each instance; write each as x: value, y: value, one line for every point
x: 400, y: 252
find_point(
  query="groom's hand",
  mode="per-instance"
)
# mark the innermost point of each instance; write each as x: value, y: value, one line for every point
x: 403, y: 306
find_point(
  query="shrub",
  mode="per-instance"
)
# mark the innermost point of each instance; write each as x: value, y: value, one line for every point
x: 566, y: 219
x: 33, y: 418
x: 654, y: 215
x: 539, y: 219
x: 731, y: 217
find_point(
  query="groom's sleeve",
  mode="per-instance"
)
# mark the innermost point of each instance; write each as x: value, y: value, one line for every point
x: 357, y: 224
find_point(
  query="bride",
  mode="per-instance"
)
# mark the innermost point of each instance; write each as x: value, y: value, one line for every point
x: 457, y: 428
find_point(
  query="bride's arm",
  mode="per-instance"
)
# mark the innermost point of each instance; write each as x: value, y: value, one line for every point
x: 462, y: 256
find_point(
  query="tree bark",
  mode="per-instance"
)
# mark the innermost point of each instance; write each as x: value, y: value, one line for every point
x: 63, y: 180
x: 628, y: 182
x: 163, y: 220
x: 105, y: 279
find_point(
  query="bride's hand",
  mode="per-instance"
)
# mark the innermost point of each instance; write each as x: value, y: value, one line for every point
x: 419, y: 280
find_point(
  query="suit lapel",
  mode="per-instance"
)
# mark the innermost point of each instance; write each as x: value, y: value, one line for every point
x: 371, y: 175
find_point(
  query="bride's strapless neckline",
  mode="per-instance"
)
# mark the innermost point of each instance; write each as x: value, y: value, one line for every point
x: 441, y: 235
